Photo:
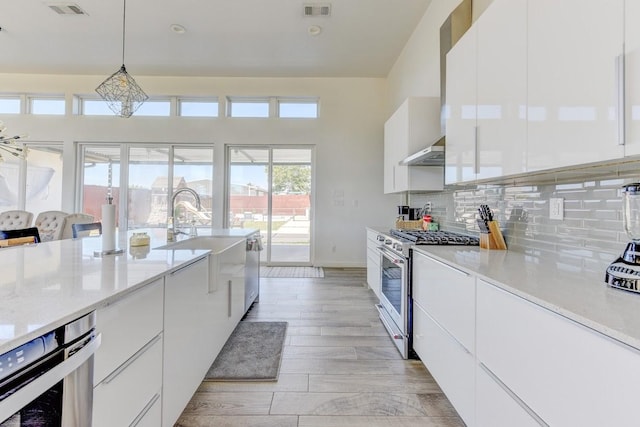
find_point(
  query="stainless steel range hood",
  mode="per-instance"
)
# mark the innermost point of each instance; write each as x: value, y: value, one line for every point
x: 454, y: 27
x: 430, y: 156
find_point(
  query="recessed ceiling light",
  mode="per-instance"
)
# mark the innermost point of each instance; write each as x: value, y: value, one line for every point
x: 178, y: 29
x: 314, y: 30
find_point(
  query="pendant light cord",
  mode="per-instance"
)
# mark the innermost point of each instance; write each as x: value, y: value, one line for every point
x: 124, y: 26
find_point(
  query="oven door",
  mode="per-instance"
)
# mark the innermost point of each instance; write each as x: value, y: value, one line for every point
x: 393, y: 298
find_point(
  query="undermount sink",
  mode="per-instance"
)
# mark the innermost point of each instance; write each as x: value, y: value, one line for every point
x: 215, y: 244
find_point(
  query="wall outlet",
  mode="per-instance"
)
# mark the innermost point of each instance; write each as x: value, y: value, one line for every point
x: 556, y: 208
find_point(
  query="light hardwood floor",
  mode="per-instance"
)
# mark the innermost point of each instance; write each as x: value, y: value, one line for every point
x: 339, y: 366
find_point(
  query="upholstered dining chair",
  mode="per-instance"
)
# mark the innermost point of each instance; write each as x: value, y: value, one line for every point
x: 16, y: 219
x: 50, y: 224
x: 74, y: 218
x: 86, y: 229
x: 20, y: 236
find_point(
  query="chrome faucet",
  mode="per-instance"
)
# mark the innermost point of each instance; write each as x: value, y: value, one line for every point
x: 172, y: 207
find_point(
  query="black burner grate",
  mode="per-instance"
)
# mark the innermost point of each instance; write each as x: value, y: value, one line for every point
x: 420, y: 237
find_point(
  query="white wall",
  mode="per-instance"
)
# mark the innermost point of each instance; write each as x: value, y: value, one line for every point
x: 348, y: 138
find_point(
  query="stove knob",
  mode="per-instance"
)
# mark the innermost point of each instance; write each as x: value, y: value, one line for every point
x: 387, y: 242
x: 397, y: 246
x: 380, y: 238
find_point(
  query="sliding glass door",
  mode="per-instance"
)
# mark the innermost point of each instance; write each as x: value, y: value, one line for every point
x: 270, y: 188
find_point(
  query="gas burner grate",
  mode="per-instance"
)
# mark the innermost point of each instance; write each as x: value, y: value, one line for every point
x: 420, y: 237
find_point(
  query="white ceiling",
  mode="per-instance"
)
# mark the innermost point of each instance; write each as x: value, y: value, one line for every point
x: 243, y: 38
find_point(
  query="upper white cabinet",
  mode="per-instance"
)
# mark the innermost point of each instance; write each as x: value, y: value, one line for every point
x: 460, y: 112
x: 414, y: 125
x: 632, y: 77
x: 502, y: 89
x: 573, y: 86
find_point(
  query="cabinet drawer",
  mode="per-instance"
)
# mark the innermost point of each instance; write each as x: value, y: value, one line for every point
x: 124, y: 395
x: 495, y: 407
x: 545, y: 359
x: 448, y: 295
x: 450, y: 364
x: 152, y: 415
x: 126, y: 326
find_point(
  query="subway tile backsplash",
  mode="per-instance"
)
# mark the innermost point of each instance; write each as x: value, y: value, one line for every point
x: 590, y: 236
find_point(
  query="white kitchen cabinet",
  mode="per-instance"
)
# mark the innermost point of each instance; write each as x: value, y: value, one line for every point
x: 501, y: 89
x: 448, y: 361
x: 460, y: 112
x: 572, y: 50
x: 125, y: 397
x: 373, y: 261
x: 564, y: 372
x: 496, y: 406
x: 448, y: 295
x: 188, y: 348
x: 128, y: 364
x: 413, y: 126
x: 632, y: 77
x: 226, y: 293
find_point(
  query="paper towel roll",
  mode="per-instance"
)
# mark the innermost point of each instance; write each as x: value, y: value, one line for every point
x: 108, y: 228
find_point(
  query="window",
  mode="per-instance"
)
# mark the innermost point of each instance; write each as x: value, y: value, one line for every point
x: 53, y: 106
x: 160, y: 108
x: 152, y: 173
x: 95, y: 107
x: 248, y: 107
x: 42, y: 188
x: 10, y: 105
x: 298, y: 109
x: 198, y: 108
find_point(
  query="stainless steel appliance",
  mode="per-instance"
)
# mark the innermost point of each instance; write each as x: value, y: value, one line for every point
x: 624, y: 272
x: 48, y: 381
x: 252, y: 270
x: 396, y: 306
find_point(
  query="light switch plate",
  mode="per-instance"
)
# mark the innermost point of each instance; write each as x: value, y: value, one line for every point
x: 556, y: 208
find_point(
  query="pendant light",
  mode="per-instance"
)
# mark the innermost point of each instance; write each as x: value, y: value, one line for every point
x: 120, y: 91
x: 9, y: 145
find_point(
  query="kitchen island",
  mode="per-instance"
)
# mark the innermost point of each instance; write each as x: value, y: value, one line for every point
x: 508, y: 335
x: 151, y: 306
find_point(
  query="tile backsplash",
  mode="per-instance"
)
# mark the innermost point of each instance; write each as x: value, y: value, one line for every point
x: 590, y: 236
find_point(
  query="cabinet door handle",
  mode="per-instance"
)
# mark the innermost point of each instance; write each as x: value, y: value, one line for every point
x: 230, y: 291
x: 144, y: 411
x: 476, y: 166
x: 179, y: 269
x: 132, y: 359
x: 620, y: 85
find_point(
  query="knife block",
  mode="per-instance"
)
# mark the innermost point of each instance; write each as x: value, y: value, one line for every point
x: 493, y: 239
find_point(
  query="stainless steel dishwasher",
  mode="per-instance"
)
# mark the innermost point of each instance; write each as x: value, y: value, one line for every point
x: 252, y: 270
x: 48, y: 381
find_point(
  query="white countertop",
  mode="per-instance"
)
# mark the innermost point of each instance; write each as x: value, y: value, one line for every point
x: 562, y: 287
x: 46, y: 285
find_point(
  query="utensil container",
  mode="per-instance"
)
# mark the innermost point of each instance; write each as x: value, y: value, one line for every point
x: 492, y: 239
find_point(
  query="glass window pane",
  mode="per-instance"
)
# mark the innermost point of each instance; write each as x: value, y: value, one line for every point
x: 98, y: 161
x: 9, y: 177
x: 249, y: 109
x: 193, y: 168
x: 44, y: 179
x: 96, y: 107
x: 298, y: 109
x: 198, y: 109
x: 9, y: 105
x: 47, y: 106
x: 154, y: 108
x: 148, y: 186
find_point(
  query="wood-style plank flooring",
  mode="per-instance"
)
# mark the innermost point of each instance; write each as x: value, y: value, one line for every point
x: 339, y: 366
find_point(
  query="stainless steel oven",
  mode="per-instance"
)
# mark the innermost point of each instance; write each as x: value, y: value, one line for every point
x: 48, y: 381
x: 394, y: 298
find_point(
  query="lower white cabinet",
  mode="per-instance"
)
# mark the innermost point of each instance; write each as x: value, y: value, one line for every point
x: 496, y: 407
x: 449, y: 362
x: 188, y: 352
x: 567, y: 374
x: 373, y: 262
x: 126, y: 396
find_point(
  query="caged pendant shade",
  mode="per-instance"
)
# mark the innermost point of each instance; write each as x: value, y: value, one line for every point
x: 120, y: 91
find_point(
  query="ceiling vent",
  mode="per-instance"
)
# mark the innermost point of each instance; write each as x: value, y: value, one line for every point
x: 317, y: 9
x: 66, y: 9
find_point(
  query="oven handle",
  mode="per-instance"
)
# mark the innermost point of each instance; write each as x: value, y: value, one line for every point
x: 390, y: 255
x: 394, y: 335
x: 29, y: 392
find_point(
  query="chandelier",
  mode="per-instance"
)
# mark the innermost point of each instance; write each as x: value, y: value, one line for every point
x: 120, y: 91
x: 9, y: 145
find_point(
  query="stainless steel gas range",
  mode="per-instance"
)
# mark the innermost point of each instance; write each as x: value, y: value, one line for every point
x: 396, y: 307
